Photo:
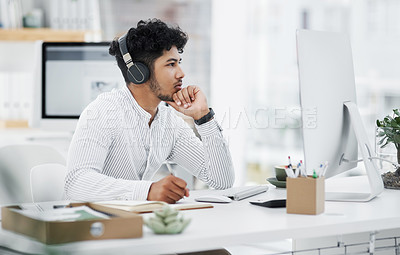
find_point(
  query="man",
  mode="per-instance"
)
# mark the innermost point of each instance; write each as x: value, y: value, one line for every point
x: 124, y: 136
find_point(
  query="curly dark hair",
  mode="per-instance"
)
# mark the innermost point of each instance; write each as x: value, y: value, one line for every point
x: 147, y: 42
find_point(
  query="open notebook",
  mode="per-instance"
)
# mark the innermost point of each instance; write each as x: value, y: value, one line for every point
x: 150, y: 206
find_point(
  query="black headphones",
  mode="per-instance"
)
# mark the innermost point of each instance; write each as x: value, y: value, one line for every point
x: 138, y: 72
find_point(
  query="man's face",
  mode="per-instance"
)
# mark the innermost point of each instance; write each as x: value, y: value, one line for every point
x: 168, y: 75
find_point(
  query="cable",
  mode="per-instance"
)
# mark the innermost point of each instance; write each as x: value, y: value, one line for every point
x: 382, y: 159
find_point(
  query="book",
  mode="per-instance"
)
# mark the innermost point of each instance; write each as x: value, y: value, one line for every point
x: 150, y: 206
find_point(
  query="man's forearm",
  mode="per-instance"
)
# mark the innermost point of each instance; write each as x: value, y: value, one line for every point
x: 89, y: 185
x: 218, y: 171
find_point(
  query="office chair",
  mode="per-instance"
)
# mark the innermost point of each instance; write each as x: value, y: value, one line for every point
x: 16, y: 162
x: 47, y: 182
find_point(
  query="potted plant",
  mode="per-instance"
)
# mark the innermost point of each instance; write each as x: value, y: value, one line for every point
x: 389, y: 132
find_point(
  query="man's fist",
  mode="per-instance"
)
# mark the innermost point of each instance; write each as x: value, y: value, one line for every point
x: 190, y: 101
x: 169, y: 189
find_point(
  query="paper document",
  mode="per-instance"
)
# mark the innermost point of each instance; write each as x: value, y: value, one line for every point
x: 66, y: 214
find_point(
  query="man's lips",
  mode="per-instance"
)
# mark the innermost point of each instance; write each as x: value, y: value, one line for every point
x: 178, y: 85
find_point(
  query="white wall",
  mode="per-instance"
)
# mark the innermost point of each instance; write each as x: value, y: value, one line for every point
x: 228, y: 80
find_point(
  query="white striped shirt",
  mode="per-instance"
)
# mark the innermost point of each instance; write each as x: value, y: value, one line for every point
x: 114, y: 153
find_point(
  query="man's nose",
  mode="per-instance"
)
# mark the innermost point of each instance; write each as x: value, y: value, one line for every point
x: 180, y: 74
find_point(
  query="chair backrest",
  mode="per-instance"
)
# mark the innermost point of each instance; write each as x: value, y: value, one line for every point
x: 47, y: 182
x: 16, y: 162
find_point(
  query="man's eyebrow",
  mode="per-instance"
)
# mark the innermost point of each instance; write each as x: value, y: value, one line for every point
x: 174, y: 60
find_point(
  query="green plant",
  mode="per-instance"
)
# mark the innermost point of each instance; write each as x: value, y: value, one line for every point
x: 389, y: 131
x: 167, y: 221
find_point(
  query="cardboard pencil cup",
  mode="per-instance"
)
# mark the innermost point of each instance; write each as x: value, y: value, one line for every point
x: 305, y: 195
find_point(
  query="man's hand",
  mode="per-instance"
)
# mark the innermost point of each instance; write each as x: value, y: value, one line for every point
x: 169, y: 189
x: 190, y: 101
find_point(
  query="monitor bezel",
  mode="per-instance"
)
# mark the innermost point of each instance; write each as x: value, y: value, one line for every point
x: 45, y: 45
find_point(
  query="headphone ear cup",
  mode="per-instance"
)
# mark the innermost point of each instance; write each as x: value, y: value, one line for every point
x: 138, y: 73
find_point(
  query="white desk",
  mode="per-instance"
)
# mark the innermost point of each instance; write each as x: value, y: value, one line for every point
x: 239, y: 223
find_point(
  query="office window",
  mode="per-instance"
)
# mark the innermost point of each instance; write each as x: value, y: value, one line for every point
x: 270, y: 113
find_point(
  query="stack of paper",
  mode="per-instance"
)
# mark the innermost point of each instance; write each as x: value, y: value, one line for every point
x: 65, y: 214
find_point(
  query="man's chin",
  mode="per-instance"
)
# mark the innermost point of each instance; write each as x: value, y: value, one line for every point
x: 165, y: 98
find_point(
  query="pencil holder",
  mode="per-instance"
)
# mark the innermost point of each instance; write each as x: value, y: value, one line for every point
x: 305, y: 195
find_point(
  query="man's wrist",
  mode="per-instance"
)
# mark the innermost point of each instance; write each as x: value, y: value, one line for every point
x: 200, y: 114
x: 205, y: 117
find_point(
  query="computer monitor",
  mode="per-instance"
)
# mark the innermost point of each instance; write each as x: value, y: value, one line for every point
x: 332, y: 126
x: 72, y: 75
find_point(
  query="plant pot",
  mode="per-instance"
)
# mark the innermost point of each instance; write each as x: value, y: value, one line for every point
x: 391, y: 180
x: 398, y: 157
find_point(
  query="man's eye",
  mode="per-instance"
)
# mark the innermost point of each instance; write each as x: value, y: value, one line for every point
x: 171, y: 64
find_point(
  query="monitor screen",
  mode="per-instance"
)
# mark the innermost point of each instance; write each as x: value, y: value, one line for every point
x: 73, y: 75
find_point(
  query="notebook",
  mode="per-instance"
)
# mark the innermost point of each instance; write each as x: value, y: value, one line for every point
x: 150, y: 206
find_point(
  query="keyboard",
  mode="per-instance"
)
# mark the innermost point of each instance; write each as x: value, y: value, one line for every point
x: 239, y: 193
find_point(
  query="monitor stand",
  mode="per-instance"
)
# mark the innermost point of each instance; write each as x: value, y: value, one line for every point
x: 374, y: 177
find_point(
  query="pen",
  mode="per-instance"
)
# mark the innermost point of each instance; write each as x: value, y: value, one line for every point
x: 321, y: 169
x: 289, y: 172
x: 303, y: 171
x: 291, y: 168
x: 314, y: 174
x: 325, y: 167
x: 290, y: 162
x: 169, y: 167
x: 297, y: 169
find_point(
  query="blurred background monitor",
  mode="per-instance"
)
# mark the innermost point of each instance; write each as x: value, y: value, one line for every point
x: 72, y: 75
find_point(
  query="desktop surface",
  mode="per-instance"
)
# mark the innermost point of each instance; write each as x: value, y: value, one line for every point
x: 239, y: 222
